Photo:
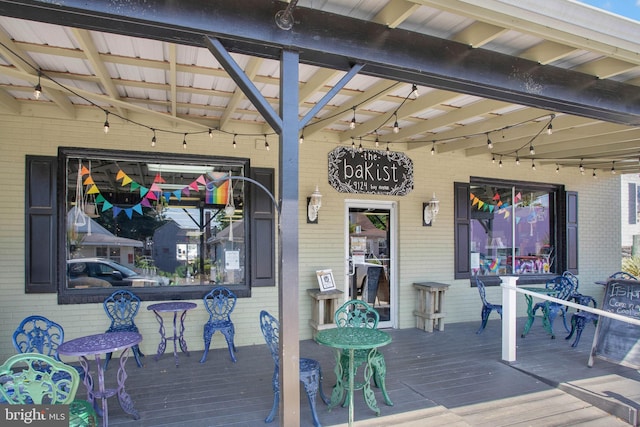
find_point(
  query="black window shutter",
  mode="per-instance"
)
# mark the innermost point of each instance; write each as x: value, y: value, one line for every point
x: 462, y: 230
x: 40, y: 225
x: 263, y: 247
x: 633, y: 214
x: 572, y: 231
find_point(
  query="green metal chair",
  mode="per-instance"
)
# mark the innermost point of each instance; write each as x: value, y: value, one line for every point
x: 358, y: 314
x: 36, y: 379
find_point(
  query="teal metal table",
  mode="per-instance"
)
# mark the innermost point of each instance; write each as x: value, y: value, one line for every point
x: 352, y: 339
x: 531, y: 315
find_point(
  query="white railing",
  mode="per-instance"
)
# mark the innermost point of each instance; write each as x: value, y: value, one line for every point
x: 509, y: 293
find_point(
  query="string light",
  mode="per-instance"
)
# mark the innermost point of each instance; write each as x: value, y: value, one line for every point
x: 581, y: 167
x: 360, y: 149
x: 500, y: 163
x: 184, y: 142
x: 517, y: 159
x: 210, y: 134
x: 387, y: 149
x: 414, y: 91
x: 234, y: 141
x: 106, y: 122
x: 266, y: 143
x: 550, y: 127
x: 396, y: 128
x: 613, y: 168
x: 153, y: 139
x: 301, y: 140
x: 489, y: 143
x: 352, y: 125
x: 533, y: 165
x: 38, y: 89
x: 594, y: 174
x: 531, y: 150
x: 353, y: 144
x: 557, y: 168
x: 377, y: 141
x: 493, y: 159
x: 433, y: 148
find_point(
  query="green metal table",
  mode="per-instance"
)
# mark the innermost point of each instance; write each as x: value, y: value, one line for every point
x: 546, y: 324
x: 352, y: 339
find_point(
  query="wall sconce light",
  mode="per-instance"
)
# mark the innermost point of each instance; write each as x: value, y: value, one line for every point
x: 314, y: 202
x: 430, y: 209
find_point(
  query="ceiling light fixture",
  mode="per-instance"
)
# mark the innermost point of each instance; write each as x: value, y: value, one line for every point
x: 352, y: 125
x: 284, y: 18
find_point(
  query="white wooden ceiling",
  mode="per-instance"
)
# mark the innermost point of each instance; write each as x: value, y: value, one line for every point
x: 184, y: 84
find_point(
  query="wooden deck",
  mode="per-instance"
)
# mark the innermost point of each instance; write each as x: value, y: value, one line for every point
x: 452, y: 378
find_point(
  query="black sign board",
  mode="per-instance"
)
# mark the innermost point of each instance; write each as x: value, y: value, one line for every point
x: 617, y: 341
x: 370, y: 171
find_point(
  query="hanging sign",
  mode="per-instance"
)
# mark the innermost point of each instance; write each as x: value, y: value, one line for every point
x: 370, y: 171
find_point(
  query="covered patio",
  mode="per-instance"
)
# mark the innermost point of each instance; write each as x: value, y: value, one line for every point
x: 454, y: 377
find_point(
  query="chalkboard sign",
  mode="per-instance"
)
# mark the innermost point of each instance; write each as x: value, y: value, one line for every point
x: 617, y: 341
x: 370, y: 171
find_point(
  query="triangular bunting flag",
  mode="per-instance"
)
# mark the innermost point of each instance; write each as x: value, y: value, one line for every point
x: 84, y: 171
x: 134, y: 186
x: 155, y: 188
x: 137, y: 208
x: 186, y: 191
x: 159, y: 179
x: 167, y: 195
x: 480, y: 204
x: 194, y: 186
x: 471, y: 196
x: 143, y: 191
x: 151, y: 195
x: 116, y: 211
x: 201, y: 180
x: 518, y: 197
x: 93, y: 190
x: 88, y: 180
x: 145, y: 202
x: 100, y: 198
x: 120, y: 175
x: 126, y: 180
x: 475, y: 201
x: 129, y: 212
x: 496, y: 196
x: 491, y: 208
x: 177, y: 194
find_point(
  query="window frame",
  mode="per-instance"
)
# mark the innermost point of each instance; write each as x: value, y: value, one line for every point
x: 560, y: 228
x: 68, y: 295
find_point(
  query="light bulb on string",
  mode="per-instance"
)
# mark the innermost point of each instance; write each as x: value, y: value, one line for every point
x: 493, y: 159
x: 396, y: 127
x: 266, y: 143
x: 234, y: 141
x: 414, y: 91
x: 517, y: 159
x: 557, y: 168
x: 184, y: 142
x: 500, y: 163
x: 594, y: 174
x: 581, y: 167
x: 352, y: 125
x: 153, y: 139
x: 489, y: 143
x: 37, y: 91
x: 377, y: 141
x: 549, y: 129
x: 613, y: 168
x: 531, y: 150
x: 433, y: 148
x: 210, y: 134
x: 533, y: 164
x: 301, y: 139
x: 360, y: 149
x: 353, y: 144
x: 106, y: 122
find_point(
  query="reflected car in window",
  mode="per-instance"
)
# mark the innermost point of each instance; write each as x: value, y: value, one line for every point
x: 102, y: 272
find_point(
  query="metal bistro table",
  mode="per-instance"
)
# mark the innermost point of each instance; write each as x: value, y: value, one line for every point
x: 101, y: 344
x: 178, y: 335
x: 353, y: 339
x: 531, y: 315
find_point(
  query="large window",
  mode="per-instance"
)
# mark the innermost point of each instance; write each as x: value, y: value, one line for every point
x: 514, y: 228
x: 170, y: 226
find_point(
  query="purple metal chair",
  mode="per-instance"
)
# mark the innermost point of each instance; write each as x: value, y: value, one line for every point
x: 310, y: 371
x: 219, y: 302
x: 122, y: 307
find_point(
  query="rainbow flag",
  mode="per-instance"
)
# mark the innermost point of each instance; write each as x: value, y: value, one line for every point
x: 218, y: 195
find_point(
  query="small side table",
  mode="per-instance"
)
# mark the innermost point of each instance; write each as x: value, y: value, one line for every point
x: 325, y: 303
x: 178, y: 335
x: 430, y: 310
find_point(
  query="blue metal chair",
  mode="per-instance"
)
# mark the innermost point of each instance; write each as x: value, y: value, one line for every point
x: 564, y: 290
x: 37, y: 334
x: 121, y: 308
x: 580, y: 319
x: 487, y: 307
x: 310, y: 371
x: 623, y: 275
x: 219, y: 302
x: 358, y: 314
x: 37, y: 379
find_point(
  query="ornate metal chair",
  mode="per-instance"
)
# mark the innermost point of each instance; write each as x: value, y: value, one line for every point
x: 580, y: 319
x: 310, y: 371
x: 487, y: 307
x: 37, y: 334
x: 577, y: 296
x: 121, y: 308
x: 219, y: 302
x: 565, y: 290
x: 34, y: 378
x: 623, y: 275
x: 358, y: 314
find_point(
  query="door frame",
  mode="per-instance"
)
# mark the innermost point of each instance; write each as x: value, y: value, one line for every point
x: 392, y: 207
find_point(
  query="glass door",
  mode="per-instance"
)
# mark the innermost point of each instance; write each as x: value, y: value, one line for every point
x: 370, y: 243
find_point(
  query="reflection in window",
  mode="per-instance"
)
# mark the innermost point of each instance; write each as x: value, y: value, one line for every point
x: 173, y: 224
x: 511, y: 230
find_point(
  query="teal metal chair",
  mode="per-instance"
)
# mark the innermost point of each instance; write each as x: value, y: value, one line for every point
x: 358, y: 314
x: 565, y: 290
x: 310, y: 371
x: 34, y: 378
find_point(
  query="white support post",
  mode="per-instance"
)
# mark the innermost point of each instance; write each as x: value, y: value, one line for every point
x: 509, y: 319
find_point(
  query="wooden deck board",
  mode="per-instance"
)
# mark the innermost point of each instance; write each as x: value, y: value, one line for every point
x: 454, y: 377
